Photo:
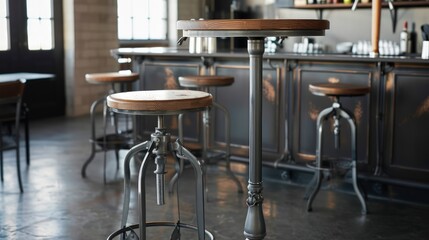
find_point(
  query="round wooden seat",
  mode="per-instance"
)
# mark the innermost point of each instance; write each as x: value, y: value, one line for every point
x: 159, y: 102
x: 111, y: 77
x: 205, y: 81
x: 338, y: 89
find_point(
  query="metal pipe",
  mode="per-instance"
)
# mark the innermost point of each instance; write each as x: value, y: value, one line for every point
x: 375, y: 26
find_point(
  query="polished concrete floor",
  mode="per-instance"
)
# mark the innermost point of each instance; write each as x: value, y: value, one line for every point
x: 58, y: 203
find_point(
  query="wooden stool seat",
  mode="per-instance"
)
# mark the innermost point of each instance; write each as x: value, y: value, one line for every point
x: 168, y: 101
x: 338, y: 89
x: 111, y: 77
x: 205, y: 81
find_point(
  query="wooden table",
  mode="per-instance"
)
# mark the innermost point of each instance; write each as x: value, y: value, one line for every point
x: 7, y: 77
x: 256, y: 30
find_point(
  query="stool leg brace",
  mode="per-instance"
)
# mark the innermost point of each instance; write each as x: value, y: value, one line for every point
x: 228, y: 146
x: 337, y: 110
x: 160, y: 145
x: 206, y: 141
x: 94, y: 150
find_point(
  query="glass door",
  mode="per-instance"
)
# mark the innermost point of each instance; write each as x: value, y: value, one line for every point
x: 31, y: 40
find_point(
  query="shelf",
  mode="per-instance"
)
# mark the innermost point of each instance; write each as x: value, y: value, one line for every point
x: 408, y: 4
x: 393, y: 12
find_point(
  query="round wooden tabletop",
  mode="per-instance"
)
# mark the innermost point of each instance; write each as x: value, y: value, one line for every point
x: 205, y: 81
x: 338, y: 89
x: 252, y: 27
x: 111, y: 77
x: 159, y: 101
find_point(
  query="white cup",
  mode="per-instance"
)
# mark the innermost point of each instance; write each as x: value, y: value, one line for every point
x: 211, y: 45
x: 192, y: 46
x: 425, y: 50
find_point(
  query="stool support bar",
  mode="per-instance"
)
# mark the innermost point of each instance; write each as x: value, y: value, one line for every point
x: 159, y: 145
x: 336, y: 110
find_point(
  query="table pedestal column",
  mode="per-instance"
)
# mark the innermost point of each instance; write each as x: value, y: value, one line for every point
x: 254, y: 228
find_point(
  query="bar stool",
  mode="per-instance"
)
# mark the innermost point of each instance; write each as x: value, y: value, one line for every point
x: 336, y: 91
x: 160, y: 103
x: 203, y: 83
x: 118, y: 140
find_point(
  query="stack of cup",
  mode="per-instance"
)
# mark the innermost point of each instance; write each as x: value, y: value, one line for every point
x: 201, y: 44
x: 425, y: 50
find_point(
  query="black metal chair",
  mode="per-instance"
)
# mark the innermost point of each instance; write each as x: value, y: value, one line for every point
x: 11, y: 109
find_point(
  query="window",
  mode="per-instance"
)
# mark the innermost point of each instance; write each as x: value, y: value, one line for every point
x: 4, y: 26
x: 40, y: 24
x: 142, y: 20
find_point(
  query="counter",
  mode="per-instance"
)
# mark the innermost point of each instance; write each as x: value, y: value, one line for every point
x: 392, y: 121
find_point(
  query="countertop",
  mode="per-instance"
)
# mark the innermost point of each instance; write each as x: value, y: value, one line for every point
x: 166, y: 51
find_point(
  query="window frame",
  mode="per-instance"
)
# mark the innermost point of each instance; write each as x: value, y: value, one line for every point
x: 148, y: 42
x: 7, y: 29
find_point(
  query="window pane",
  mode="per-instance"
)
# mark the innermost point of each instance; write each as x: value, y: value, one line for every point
x: 4, y: 26
x: 46, y: 36
x: 40, y: 24
x: 124, y: 8
x: 45, y: 8
x: 142, y: 19
x: 3, y: 9
x: 140, y: 8
x: 39, y: 9
x: 158, y: 9
x: 33, y: 29
x: 39, y: 34
x: 158, y: 29
x: 124, y: 28
x: 4, y: 41
x: 140, y: 31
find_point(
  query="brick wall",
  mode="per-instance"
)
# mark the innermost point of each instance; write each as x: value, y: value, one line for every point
x: 90, y: 34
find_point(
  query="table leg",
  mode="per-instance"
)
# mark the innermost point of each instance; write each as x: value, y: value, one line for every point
x: 254, y: 227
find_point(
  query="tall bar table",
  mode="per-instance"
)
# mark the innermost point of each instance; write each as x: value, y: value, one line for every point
x: 256, y: 30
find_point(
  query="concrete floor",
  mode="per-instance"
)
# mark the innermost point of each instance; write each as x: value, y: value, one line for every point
x: 58, y: 204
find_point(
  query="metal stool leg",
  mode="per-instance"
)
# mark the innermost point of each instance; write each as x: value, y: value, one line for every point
x: 142, y: 198
x: 180, y: 163
x: 1, y: 153
x: 198, y: 168
x: 228, y: 146
x: 358, y: 191
x: 161, y: 145
x: 319, y: 145
x: 149, y: 146
x: 93, y: 144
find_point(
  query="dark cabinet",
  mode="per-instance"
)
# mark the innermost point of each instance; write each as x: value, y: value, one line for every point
x: 236, y: 99
x: 163, y: 74
x: 407, y: 123
x: 392, y: 120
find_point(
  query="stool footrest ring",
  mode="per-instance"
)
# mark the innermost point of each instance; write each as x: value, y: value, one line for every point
x: 158, y: 224
x: 329, y: 164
